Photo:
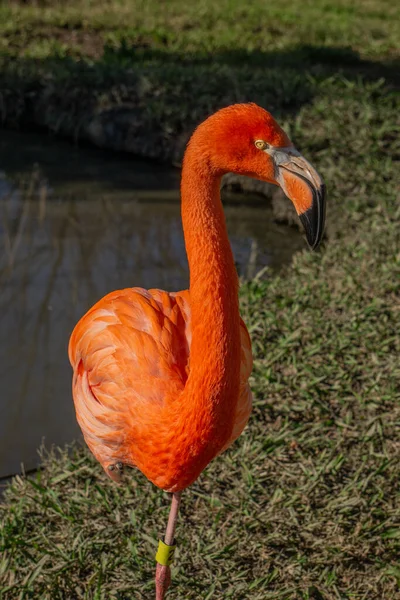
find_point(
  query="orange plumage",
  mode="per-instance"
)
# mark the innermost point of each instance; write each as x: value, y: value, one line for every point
x: 160, y: 379
x: 131, y: 355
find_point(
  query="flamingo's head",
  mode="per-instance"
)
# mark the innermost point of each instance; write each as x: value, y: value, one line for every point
x: 246, y: 139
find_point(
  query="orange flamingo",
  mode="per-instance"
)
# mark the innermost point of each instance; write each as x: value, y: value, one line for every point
x: 161, y: 378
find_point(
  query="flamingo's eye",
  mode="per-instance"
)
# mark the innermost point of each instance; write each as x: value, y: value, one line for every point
x: 261, y: 145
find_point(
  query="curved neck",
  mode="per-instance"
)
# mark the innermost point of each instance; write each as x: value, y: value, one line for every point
x: 215, y: 351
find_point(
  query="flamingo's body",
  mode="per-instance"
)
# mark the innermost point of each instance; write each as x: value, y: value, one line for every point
x: 160, y: 379
x: 131, y: 354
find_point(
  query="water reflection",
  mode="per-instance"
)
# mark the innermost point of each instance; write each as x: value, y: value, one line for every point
x: 74, y: 225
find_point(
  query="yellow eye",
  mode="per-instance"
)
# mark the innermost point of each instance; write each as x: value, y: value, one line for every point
x: 260, y: 144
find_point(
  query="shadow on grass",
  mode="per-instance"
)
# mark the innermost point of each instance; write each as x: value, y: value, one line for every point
x: 322, y: 60
x: 146, y: 101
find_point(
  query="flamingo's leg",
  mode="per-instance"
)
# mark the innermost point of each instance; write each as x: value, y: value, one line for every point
x: 163, y: 571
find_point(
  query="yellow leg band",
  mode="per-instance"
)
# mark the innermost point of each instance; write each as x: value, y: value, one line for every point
x: 165, y: 554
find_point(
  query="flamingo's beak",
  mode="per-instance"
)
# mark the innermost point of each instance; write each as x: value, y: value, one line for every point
x: 305, y: 188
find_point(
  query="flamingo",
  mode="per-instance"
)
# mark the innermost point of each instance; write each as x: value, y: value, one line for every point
x: 160, y: 379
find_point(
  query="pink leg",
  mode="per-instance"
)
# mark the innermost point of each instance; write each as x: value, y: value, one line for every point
x: 163, y: 572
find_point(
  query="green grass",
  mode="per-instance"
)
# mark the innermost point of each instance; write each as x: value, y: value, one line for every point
x: 369, y: 26
x: 306, y: 505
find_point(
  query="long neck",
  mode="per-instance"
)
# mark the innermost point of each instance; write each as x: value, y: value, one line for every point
x: 213, y: 383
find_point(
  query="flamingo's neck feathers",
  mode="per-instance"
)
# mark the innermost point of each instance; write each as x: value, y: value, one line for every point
x: 213, y: 383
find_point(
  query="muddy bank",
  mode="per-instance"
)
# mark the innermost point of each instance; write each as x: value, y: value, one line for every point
x: 130, y: 118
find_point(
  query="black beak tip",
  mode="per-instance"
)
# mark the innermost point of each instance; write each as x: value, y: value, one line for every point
x: 313, y: 219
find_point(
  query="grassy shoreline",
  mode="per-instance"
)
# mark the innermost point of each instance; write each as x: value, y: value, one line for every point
x: 306, y: 504
x: 138, y: 77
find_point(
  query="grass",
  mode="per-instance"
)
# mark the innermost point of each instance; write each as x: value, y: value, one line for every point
x: 306, y: 505
x: 368, y: 27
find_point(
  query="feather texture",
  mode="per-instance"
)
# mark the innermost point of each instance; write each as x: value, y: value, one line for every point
x: 131, y: 359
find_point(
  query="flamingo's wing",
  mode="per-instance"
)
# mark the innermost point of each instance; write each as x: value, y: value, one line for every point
x: 129, y: 354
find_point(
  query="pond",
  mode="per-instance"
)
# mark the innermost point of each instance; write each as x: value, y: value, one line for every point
x: 76, y: 223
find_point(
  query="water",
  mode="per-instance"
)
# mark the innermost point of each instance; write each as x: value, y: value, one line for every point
x: 74, y: 225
